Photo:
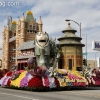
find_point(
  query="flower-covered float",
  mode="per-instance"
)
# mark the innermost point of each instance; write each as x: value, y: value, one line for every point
x: 44, y: 74
x: 61, y: 79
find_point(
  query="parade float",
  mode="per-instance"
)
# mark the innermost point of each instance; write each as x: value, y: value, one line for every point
x: 43, y: 73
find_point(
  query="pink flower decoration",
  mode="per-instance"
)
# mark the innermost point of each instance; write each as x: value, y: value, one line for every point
x: 46, y: 81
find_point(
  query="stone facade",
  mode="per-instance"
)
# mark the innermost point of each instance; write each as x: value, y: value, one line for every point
x: 15, y: 34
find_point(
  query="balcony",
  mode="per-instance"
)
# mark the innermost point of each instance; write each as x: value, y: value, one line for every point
x: 12, y: 39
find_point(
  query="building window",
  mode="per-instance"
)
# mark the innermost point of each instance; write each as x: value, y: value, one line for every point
x: 18, y: 27
x: 10, y: 34
x: 14, y: 34
x: 10, y: 59
x: 30, y: 26
x: 34, y: 27
x: 14, y: 48
x: 28, y: 31
x: 18, y: 32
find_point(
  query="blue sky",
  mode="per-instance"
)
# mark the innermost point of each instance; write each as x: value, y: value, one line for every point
x: 54, y: 13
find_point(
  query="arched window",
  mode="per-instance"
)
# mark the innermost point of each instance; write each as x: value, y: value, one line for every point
x: 30, y: 27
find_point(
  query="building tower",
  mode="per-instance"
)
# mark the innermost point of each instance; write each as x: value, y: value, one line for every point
x: 5, y: 44
x: 18, y: 29
x: 17, y: 34
x: 71, y: 50
x: 22, y: 29
x: 9, y: 21
x: 7, y: 48
x: 4, y: 48
x: 40, y: 25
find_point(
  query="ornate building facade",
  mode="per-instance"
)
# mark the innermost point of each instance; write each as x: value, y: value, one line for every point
x: 15, y: 35
x: 71, y: 50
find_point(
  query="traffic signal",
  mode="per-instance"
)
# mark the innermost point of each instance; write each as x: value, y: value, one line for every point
x: 84, y: 61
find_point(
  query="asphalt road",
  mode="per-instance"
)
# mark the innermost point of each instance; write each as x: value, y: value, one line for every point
x: 87, y: 94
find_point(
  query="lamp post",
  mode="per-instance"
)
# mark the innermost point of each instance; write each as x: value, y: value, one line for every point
x: 76, y: 23
x: 86, y: 49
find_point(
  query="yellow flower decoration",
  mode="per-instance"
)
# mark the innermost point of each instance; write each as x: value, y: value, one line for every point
x: 18, y: 80
x: 62, y: 82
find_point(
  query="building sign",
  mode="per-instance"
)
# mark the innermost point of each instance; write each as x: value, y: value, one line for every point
x: 96, y: 45
x: 22, y: 61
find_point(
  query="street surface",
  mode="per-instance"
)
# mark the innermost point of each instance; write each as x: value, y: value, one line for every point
x: 75, y: 94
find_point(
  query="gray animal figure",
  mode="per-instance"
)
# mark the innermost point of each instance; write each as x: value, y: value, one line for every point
x: 42, y: 49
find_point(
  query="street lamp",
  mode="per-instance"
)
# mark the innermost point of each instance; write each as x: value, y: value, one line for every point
x: 76, y: 23
x: 86, y: 49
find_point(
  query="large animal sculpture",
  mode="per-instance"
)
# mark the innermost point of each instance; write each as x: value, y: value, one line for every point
x: 46, y: 52
x: 42, y: 49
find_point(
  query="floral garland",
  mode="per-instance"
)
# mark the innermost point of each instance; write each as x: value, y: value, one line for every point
x: 16, y: 82
x: 62, y: 78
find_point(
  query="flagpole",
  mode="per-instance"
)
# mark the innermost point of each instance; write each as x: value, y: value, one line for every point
x: 86, y: 49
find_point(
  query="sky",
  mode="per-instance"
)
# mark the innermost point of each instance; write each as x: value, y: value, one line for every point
x: 54, y: 13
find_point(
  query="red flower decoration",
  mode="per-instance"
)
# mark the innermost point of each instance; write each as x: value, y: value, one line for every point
x: 9, y: 74
x: 8, y: 82
x: 35, y: 82
x: 46, y: 81
x: 57, y: 82
x: 4, y: 71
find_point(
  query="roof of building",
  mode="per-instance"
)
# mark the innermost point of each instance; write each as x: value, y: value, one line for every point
x: 13, y: 26
x: 29, y: 12
x: 26, y: 45
x: 13, y: 22
x: 29, y: 17
x: 69, y: 37
x: 69, y: 29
